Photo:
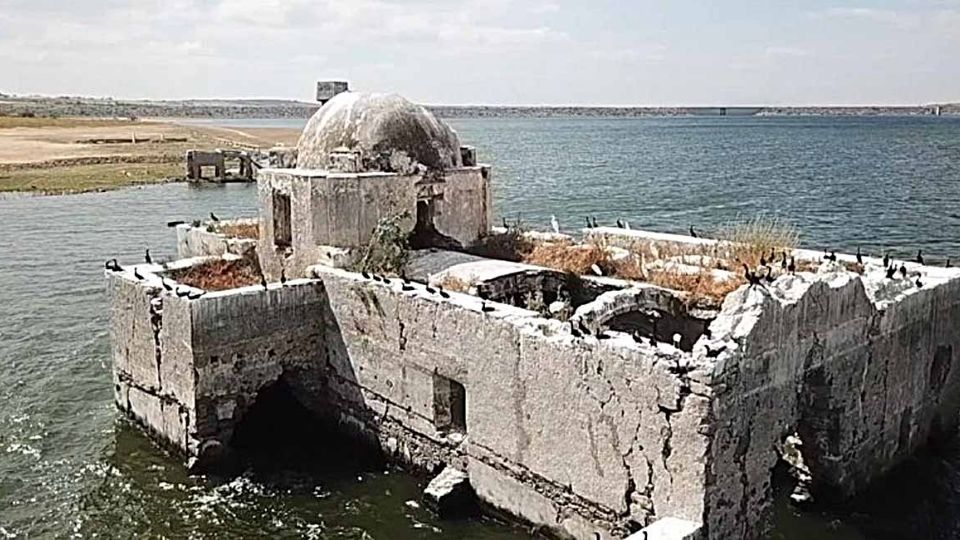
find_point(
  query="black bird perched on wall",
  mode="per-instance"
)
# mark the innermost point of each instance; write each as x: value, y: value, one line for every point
x: 406, y: 287
x: 443, y: 293
x: 792, y: 267
x: 637, y: 336
x: 263, y: 280
x: 919, y: 256
x: 194, y: 295
x: 175, y: 223
x: 783, y: 261
x: 602, y: 335
x: 364, y: 274
x: 886, y: 259
x: 891, y: 271
x: 181, y: 293
x: 136, y: 274
x: 763, y: 260
x: 832, y: 256
x: 431, y: 290
x: 113, y: 266
x: 903, y: 270
x: 484, y: 307
x: 947, y: 264
x: 588, y: 222
x: 919, y: 283
x: 403, y: 278
x: 594, y: 222
x: 146, y: 257
x: 859, y: 256
x: 283, y: 277
x: 505, y: 224
x: 574, y: 332
x: 693, y: 233
x: 385, y: 279
x: 213, y: 217
x: 751, y: 277
x: 166, y: 286
x: 769, y: 275
x: 375, y: 277
x: 619, y: 223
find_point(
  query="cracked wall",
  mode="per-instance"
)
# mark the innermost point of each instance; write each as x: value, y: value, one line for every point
x: 330, y: 210
x: 188, y: 369
x: 622, y: 444
x: 864, y: 382
x: 624, y: 448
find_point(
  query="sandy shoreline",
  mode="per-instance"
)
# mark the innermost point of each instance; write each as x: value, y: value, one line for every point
x: 74, y: 155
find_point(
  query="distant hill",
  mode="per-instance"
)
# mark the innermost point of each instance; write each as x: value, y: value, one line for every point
x: 280, y: 108
x: 193, y: 108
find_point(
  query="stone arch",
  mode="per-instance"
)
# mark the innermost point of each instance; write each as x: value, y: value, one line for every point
x: 649, y: 310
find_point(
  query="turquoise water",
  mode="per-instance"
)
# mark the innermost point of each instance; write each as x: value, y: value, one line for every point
x: 69, y: 466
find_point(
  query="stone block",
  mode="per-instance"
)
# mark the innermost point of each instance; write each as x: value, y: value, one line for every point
x: 510, y: 495
x: 449, y: 493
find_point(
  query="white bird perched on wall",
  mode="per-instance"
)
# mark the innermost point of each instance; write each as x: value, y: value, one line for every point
x: 626, y: 225
x: 555, y: 224
x: 596, y: 269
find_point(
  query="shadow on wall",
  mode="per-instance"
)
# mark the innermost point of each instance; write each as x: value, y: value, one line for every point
x: 358, y: 396
x: 279, y: 433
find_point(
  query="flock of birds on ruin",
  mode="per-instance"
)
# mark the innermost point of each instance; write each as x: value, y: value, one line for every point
x: 764, y: 273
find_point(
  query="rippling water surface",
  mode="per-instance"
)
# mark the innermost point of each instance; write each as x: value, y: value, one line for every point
x: 69, y: 466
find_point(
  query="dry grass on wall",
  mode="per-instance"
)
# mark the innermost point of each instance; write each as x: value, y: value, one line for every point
x: 567, y: 257
x: 746, y: 242
x: 455, y: 284
x: 704, y: 289
x: 239, y: 230
x: 218, y: 275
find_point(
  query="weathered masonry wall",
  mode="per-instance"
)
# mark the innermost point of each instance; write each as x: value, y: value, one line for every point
x: 189, y: 369
x: 617, y: 452
x: 863, y: 387
x: 577, y: 435
x: 307, y: 213
x: 622, y: 444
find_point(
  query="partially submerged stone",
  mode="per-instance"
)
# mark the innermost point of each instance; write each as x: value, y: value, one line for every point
x: 449, y: 493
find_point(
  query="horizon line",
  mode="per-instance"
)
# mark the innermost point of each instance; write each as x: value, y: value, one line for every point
x: 506, y: 105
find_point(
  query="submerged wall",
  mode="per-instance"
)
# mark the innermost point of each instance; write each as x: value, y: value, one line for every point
x: 576, y: 434
x: 613, y: 455
x: 863, y: 385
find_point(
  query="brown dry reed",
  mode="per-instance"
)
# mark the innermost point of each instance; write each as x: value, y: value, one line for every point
x: 218, y: 275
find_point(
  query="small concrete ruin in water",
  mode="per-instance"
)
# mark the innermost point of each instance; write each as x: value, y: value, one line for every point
x: 626, y: 410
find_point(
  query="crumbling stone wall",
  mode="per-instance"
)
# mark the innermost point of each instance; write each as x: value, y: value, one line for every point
x: 579, y: 435
x: 864, y: 387
x: 620, y: 446
x: 189, y: 369
x: 333, y: 212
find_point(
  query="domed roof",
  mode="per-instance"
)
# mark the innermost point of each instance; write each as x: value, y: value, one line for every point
x: 390, y: 133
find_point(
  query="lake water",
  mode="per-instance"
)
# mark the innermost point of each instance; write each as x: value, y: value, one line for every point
x: 70, y: 466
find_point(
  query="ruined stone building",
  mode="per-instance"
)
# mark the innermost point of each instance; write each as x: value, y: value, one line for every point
x: 590, y: 406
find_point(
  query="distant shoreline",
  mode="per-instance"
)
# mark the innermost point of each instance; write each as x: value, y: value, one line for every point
x: 278, y: 109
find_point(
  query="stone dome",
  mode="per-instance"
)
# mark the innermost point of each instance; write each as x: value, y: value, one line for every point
x: 388, y: 133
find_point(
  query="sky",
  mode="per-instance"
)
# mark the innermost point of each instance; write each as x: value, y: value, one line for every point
x: 497, y: 52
